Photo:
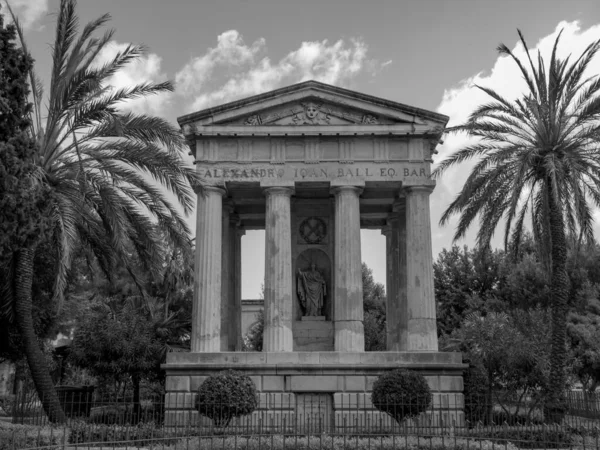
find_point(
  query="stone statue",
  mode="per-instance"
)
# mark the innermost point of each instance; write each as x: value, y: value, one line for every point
x: 311, y: 291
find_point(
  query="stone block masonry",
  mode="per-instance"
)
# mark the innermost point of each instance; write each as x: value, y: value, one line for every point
x: 332, y: 389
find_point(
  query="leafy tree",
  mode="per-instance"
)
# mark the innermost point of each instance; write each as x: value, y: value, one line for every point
x: 374, y: 304
x: 463, y: 280
x: 110, y: 173
x: 537, y: 154
x: 525, y: 283
x: 128, y: 340
x: 46, y: 323
x: 24, y: 212
x: 253, y: 341
x: 583, y: 331
x: 513, y: 360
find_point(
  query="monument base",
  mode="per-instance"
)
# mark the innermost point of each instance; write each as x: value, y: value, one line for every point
x: 327, y: 390
x: 313, y: 334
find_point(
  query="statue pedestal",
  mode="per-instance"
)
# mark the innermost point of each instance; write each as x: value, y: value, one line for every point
x: 313, y: 318
x: 312, y: 334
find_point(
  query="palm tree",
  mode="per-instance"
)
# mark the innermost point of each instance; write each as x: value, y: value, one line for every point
x: 118, y: 181
x: 537, y: 156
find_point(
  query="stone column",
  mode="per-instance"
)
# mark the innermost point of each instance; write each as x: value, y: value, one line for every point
x: 421, y: 324
x: 277, y: 335
x: 237, y: 286
x: 348, y: 297
x: 400, y: 340
x: 389, y: 282
x: 206, y: 310
x: 226, y: 271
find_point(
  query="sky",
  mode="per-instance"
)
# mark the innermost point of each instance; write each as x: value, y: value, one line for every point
x: 423, y: 53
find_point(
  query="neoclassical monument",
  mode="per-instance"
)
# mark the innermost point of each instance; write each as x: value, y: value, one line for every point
x: 312, y: 164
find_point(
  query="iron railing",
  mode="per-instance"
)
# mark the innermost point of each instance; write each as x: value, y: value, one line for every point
x: 283, y: 421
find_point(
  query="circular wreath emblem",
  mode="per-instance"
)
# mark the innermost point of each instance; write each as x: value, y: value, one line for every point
x: 313, y: 230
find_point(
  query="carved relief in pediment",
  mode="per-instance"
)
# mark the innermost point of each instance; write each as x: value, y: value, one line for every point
x: 312, y: 113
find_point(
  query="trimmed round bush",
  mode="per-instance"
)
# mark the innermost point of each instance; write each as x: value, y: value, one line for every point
x: 226, y: 395
x: 401, y: 394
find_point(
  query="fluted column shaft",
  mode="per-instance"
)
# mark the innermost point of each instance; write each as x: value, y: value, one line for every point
x: 206, y: 310
x: 401, y: 261
x: 421, y: 324
x: 226, y: 288
x: 389, y: 282
x: 237, y: 287
x: 277, y: 335
x: 396, y: 306
x: 348, y: 297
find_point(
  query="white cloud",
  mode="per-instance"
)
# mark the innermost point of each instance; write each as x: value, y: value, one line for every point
x: 247, y: 70
x: 233, y: 69
x: 29, y: 11
x: 506, y: 79
x: 145, y: 69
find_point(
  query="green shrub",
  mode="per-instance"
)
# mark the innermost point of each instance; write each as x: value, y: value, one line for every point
x: 14, y: 436
x: 142, y: 434
x: 500, y: 417
x: 7, y: 404
x: 226, y: 395
x: 109, y: 414
x: 526, y: 437
x: 401, y: 394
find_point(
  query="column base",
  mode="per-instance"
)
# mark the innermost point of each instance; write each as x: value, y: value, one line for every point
x: 349, y: 336
x: 422, y: 335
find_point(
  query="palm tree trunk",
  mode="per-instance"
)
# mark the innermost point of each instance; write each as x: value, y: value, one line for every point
x: 559, y: 292
x: 35, y: 357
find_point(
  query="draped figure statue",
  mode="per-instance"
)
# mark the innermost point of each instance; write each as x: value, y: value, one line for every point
x: 311, y: 291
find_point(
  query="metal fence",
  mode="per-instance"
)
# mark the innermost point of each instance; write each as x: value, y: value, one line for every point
x: 584, y: 404
x: 309, y: 423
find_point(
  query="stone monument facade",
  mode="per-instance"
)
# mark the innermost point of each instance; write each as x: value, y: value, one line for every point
x: 312, y: 164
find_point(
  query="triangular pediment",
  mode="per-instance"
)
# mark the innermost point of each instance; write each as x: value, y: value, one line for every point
x: 311, y: 104
x: 312, y: 111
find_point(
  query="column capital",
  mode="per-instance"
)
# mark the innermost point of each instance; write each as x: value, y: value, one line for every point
x: 428, y: 189
x: 285, y: 191
x: 337, y: 190
x: 209, y: 188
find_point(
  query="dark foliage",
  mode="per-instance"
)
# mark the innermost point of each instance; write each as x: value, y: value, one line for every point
x: 26, y: 208
x: 526, y: 437
x: 226, y: 395
x: 538, y: 163
x: 253, y: 341
x: 401, y: 394
x: 374, y: 311
x: 478, y: 404
x: 144, y: 434
x: 45, y: 318
x: 24, y: 205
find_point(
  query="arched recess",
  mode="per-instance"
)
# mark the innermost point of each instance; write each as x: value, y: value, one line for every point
x: 323, y: 264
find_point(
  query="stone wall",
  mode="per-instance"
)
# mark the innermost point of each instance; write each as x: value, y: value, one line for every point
x: 316, y: 390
